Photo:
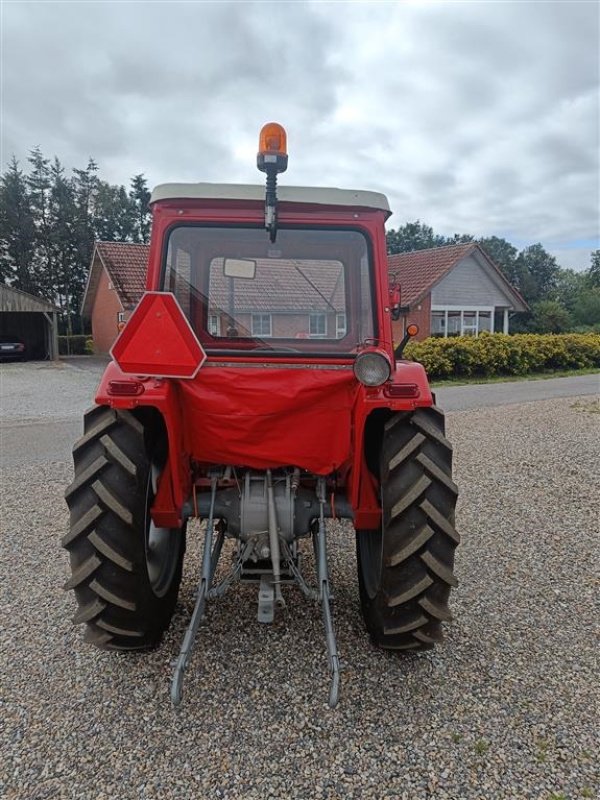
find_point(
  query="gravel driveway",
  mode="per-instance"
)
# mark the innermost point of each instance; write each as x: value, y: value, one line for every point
x: 505, y: 708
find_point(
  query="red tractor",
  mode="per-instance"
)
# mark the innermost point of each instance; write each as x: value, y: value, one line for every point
x: 257, y: 386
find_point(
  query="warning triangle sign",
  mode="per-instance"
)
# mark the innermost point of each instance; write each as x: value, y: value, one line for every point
x: 158, y: 341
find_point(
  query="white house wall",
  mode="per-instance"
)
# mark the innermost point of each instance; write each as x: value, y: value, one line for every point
x: 468, y: 285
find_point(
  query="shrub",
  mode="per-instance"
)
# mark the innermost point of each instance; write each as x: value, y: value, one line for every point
x: 72, y: 345
x: 499, y: 354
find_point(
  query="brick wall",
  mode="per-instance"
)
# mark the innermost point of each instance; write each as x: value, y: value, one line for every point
x: 105, y: 315
x: 420, y: 315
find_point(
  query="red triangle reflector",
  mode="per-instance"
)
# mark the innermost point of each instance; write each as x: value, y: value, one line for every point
x: 158, y: 341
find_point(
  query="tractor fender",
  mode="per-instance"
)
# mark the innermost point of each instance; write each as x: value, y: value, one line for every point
x: 372, y: 408
x: 161, y: 394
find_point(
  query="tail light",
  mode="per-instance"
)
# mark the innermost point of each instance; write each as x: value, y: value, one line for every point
x: 125, y: 388
x: 401, y: 390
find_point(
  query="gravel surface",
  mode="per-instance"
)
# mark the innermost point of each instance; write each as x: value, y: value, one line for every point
x: 45, y: 390
x: 505, y: 708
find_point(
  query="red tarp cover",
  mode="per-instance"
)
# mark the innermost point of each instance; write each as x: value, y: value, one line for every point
x: 298, y: 417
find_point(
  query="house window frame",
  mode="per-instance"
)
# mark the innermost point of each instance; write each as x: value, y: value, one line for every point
x: 217, y: 328
x: 462, y: 309
x: 320, y: 315
x: 120, y: 317
x: 254, y: 326
x: 341, y: 323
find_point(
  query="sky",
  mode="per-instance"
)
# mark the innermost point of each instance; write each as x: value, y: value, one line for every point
x: 473, y: 117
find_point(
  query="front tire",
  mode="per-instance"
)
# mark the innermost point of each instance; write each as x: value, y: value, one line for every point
x: 125, y: 571
x: 405, y: 569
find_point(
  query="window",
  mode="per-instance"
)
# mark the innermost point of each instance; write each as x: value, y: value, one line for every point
x: 461, y: 322
x: 214, y: 325
x: 121, y: 316
x: 485, y: 321
x: 438, y: 323
x: 453, y: 328
x: 469, y: 327
x: 317, y: 326
x: 261, y: 325
x: 309, y: 292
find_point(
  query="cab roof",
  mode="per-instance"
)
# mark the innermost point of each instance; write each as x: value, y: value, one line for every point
x: 285, y: 194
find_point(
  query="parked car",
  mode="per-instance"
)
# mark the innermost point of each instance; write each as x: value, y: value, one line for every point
x: 11, y: 347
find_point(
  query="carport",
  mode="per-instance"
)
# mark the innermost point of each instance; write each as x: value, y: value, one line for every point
x: 30, y: 319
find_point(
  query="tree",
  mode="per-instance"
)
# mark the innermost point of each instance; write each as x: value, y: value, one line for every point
x: 550, y: 317
x: 569, y: 286
x: 69, y: 274
x: 139, y: 194
x: 537, y: 273
x: 17, y: 230
x: 413, y: 236
x: 594, y: 270
x: 38, y: 186
x: 504, y: 255
x: 115, y: 215
x: 586, y: 310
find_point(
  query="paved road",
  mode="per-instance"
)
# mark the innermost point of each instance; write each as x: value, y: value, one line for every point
x: 485, y: 395
x: 41, y: 404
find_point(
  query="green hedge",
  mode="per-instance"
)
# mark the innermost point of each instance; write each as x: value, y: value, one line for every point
x: 499, y: 354
x: 75, y: 345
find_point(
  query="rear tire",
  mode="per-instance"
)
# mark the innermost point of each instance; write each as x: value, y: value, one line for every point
x: 125, y: 572
x: 405, y: 570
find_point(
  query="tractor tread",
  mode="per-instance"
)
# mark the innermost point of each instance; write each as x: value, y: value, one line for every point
x: 87, y: 612
x: 413, y: 494
x: 86, y: 475
x: 105, y: 424
x: 110, y: 501
x: 440, y: 521
x: 99, y: 638
x: 439, y: 568
x: 436, y: 610
x: 406, y: 451
x: 422, y: 421
x: 427, y: 638
x: 118, y: 631
x: 111, y: 597
x: 411, y: 625
x: 82, y: 573
x: 408, y: 548
x: 109, y: 552
x: 82, y: 525
x: 115, y: 452
x: 435, y: 472
x: 410, y: 592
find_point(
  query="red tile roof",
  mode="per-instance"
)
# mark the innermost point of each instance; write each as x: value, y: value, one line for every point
x: 282, y: 285
x: 417, y: 272
x: 126, y: 264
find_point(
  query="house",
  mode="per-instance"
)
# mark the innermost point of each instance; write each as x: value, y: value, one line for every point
x: 31, y: 320
x: 116, y: 281
x: 455, y: 290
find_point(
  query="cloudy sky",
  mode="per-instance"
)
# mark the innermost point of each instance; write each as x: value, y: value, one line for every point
x: 478, y: 117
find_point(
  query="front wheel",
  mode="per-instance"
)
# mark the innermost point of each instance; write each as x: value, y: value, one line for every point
x: 125, y: 571
x: 405, y: 569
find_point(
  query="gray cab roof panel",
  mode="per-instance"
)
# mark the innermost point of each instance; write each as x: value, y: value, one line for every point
x: 285, y: 194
